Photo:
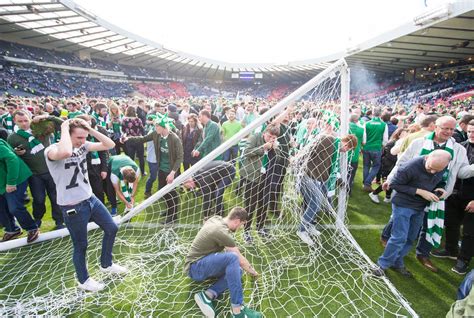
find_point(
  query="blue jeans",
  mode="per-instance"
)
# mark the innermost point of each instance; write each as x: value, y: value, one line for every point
x: 40, y: 184
x: 466, y: 285
x: 423, y: 248
x: 231, y: 153
x: 226, y: 268
x: 12, y: 206
x: 372, y: 164
x: 406, y: 226
x: 313, y: 193
x: 153, y: 175
x: 89, y: 210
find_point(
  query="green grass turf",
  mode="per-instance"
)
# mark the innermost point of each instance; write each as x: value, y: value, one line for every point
x: 429, y: 293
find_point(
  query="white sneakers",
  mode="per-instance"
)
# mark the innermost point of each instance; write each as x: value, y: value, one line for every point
x: 374, y: 197
x: 387, y: 200
x: 114, y: 269
x: 92, y: 285
x: 311, y: 229
x: 304, y: 236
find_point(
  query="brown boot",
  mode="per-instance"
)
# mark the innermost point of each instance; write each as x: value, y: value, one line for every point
x: 427, y: 263
x: 367, y: 188
x: 11, y: 236
x: 32, y: 235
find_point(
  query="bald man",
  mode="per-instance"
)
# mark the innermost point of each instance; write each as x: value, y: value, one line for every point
x: 441, y: 138
x: 417, y: 183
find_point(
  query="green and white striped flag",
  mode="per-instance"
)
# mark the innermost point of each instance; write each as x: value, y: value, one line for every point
x: 435, y: 210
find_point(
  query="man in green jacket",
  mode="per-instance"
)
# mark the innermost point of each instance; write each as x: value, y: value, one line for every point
x: 124, y: 175
x: 376, y: 135
x: 169, y: 157
x: 211, y: 139
x: 14, y: 174
x: 30, y: 148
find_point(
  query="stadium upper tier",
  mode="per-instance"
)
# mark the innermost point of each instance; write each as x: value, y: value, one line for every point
x: 438, y: 36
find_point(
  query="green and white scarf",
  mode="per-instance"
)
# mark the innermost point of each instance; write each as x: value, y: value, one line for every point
x: 126, y: 188
x: 101, y: 121
x: 435, y: 210
x: 7, y: 121
x: 335, y: 172
x: 94, y: 154
x: 34, y: 144
x: 265, y: 161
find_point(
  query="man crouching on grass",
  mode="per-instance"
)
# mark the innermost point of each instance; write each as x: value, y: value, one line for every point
x: 214, y: 254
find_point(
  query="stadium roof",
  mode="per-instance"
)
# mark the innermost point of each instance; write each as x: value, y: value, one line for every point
x: 438, y: 36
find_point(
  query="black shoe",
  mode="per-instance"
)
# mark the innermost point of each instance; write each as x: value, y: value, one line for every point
x: 147, y: 195
x: 403, y: 271
x: 378, y: 271
x: 32, y: 236
x: 444, y: 254
x: 248, y: 238
x: 461, y: 267
x: 11, y: 236
x: 264, y: 233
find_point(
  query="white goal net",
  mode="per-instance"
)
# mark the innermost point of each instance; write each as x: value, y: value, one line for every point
x: 328, y: 278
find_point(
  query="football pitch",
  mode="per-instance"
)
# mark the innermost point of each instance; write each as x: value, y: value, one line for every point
x: 295, y: 280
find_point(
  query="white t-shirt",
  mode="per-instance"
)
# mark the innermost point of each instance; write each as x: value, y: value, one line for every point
x: 70, y: 175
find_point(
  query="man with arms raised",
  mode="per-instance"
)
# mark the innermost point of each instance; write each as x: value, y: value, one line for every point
x: 67, y: 164
x: 214, y: 254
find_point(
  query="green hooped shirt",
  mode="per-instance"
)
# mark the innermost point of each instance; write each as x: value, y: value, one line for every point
x: 358, y: 131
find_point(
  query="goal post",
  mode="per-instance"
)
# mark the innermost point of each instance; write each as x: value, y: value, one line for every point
x: 329, y: 278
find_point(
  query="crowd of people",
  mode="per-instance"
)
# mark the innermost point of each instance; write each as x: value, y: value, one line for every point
x: 84, y: 153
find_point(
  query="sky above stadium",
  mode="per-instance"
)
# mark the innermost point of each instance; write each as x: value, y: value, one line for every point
x: 258, y: 31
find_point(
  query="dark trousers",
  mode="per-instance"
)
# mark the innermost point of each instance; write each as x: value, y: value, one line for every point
x: 258, y: 195
x: 40, y: 184
x: 454, y: 218
x: 213, y: 195
x: 138, y: 149
x: 12, y: 206
x: 109, y: 189
x: 352, y: 174
x: 99, y: 185
x: 171, y: 198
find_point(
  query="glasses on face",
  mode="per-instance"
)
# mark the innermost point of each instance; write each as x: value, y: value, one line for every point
x: 446, y: 128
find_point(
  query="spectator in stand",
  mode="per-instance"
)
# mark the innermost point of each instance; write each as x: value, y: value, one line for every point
x: 388, y: 162
x: 31, y: 150
x: 354, y: 154
x: 376, y: 135
x: 417, y: 183
x: 460, y: 135
x: 132, y: 126
x: 229, y: 129
x: 191, y: 136
x: 14, y: 174
x: 211, y: 136
x: 460, y: 211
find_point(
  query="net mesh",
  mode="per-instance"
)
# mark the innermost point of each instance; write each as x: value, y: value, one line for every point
x: 329, y: 278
